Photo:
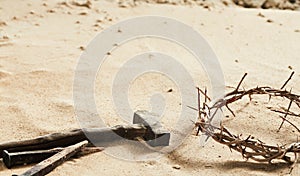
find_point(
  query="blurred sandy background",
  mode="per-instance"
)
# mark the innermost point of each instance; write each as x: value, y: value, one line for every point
x: 41, y: 42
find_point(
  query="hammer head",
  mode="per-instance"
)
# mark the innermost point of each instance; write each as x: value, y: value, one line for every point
x: 155, y: 135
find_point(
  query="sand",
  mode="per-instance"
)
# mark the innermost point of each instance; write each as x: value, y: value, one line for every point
x: 40, y: 45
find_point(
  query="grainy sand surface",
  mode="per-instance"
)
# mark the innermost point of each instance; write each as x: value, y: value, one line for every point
x: 41, y: 42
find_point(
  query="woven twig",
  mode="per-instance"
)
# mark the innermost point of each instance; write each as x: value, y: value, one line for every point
x: 249, y: 147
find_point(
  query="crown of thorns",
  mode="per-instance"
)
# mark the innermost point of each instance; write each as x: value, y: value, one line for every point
x: 249, y: 147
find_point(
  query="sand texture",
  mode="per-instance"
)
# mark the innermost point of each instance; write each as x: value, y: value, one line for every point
x: 41, y: 43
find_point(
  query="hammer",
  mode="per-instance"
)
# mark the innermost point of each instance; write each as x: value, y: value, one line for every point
x: 156, y: 134
x: 145, y: 125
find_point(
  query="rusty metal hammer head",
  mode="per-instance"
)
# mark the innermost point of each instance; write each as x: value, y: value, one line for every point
x: 155, y: 134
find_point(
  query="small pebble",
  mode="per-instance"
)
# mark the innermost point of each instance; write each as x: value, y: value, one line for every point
x: 270, y: 21
x: 83, y: 13
x: 122, y: 5
x: 51, y: 11
x: 208, y: 166
x: 225, y: 3
x: 261, y: 15
x: 2, y: 23
x: 81, y: 48
x: 176, y: 167
x: 251, y: 117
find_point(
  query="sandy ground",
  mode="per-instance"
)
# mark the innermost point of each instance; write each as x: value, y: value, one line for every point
x: 41, y: 42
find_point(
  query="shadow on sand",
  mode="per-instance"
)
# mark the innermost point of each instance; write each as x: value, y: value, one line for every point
x: 229, y: 165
